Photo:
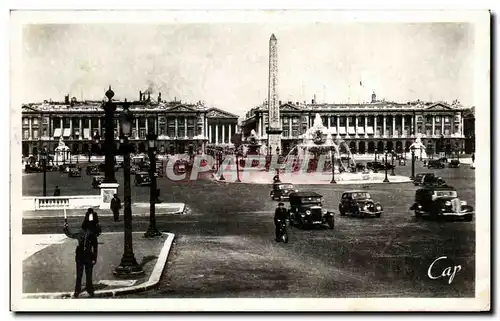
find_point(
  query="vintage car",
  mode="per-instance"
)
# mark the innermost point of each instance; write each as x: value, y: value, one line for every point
x: 65, y: 168
x: 441, y: 202
x: 427, y: 179
x: 455, y: 163
x: 378, y: 166
x: 142, y: 179
x: 92, y: 170
x: 359, y: 203
x: 281, y: 191
x: 435, y: 163
x: 75, y: 172
x: 97, y: 180
x: 306, y: 209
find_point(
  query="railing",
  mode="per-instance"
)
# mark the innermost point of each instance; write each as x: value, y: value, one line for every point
x: 39, y: 203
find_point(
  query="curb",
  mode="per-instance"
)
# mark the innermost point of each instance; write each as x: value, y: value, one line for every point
x: 151, y: 282
x: 325, y: 183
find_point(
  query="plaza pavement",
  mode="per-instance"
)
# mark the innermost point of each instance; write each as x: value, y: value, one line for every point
x: 49, y: 269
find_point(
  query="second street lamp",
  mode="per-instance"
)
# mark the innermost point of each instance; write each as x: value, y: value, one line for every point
x: 392, y: 164
x: 152, y: 230
x: 412, y: 163
x: 333, y: 167
x: 128, y: 265
x: 43, y: 158
x: 386, y: 180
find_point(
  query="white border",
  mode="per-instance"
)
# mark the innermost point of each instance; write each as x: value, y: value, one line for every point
x: 482, y: 103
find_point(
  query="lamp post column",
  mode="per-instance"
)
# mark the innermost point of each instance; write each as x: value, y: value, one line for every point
x: 152, y: 230
x: 333, y: 168
x: 386, y: 180
x: 392, y: 164
x: 412, y: 163
x: 109, y: 144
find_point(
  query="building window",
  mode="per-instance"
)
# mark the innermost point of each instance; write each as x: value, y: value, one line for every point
x: 286, y: 120
x: 438, y: 118
x: 35, y: 133
x: 161, y: 120
x: 25, y: 121
x: 295, y: 132
x: 285, y: 132
x: 142, y: 133
x: 295, y: 120
x: 25, y: 134
x: 446, y: 119
x: 35, y: 121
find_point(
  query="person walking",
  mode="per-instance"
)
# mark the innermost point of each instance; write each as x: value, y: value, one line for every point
x: 280, y: 215
x: 57, y: 191
x: 85, y: 256
x: 115, y: 206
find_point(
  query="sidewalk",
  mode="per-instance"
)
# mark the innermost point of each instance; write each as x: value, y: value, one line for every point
x: 138, y: 209
x: 50, y: 272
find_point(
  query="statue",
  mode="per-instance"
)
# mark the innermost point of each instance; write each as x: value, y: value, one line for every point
x: 417, y: 144
x: 61, y: 142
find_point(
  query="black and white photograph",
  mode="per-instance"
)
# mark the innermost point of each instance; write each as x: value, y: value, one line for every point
x: 221, y: 160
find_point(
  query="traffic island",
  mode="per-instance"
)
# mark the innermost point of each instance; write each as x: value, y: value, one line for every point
x: 50, y: 273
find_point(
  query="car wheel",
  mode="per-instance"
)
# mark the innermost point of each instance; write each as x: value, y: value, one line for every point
x: 284, y: 237
x: 341, y: 211
x: 331, y: 223
x: 378, y: 215
x: 468, y: 218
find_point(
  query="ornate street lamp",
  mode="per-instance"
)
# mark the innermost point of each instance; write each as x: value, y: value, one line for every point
x: 128, y: 265
x: 237, y: 152
x: 43, y: 158
x: 392, y: 161
x: 277, y: 169
x: 386, y: 180
x: 152, y: 230
x: 412, y: 162
x: 333, y: 166
x: 109, y: 138
x: 220, y: 168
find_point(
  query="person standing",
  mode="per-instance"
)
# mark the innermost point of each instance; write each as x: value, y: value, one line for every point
x: 85, y: 256
x: 115, y: 206
x: 57, y: 191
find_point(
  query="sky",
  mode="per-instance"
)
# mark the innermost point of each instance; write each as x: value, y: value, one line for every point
x: 226, y: 65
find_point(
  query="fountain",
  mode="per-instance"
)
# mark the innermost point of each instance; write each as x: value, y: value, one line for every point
x: 317, y: 141
x: 316, y: 148
x: 418, y: 145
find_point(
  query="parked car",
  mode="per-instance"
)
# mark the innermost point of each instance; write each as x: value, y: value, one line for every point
x: 378, y: 166
x: 65, y: 168
x: 92, y: 170
x: 359, y: 203
x: 306, y: 209
x: 455, y: 163
x: 75, y: 172
x: 142, y: 179
x: 435, y: 163
x: 281, y: 191
x: 440, y: 202
x: 427, y: 179
x: 97, y: 180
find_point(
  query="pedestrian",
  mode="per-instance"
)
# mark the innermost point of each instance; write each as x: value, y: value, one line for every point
x: 85, y: 256
x: 116, y: 205
x: 280, y: 215
x: 473, y: 157
x: 91, y: 221
x: 57, y: 191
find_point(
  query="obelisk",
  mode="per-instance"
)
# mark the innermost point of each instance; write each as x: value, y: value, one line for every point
x: 274, y: 129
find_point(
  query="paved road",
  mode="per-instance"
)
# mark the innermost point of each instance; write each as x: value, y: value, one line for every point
x: 225, y: 244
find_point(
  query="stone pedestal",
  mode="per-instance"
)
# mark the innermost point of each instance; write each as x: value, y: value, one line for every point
x: 107, y: 192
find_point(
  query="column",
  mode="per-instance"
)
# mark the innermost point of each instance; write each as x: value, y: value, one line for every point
x: 403, y: 134
x: 258, y: 125
x: 394, y: 126
x: 209, y: 133
x: 147, y: 125
x: 356, y: 121
x: 338, y: 126
x: 203, y: 132
x: 30, y: 128
x: 308, y: 123
x: 51, y: 125
x: 375, y: 127
x: 71, y: 128
x: 230, y: 126
x: 176, y: 131
x: 384, y: 131
x: 156, y: 125
x: 185, y: 126
x: 216, y: 133
x: 236, y: 129
x: 442, y: 125
x: 461, y: 126
x: 347, y: 125
x: 223, y: 140
x: 328, y: 121
x: 290, y: 127
x: 137, y: 128
x: 412, y: 126
x: 80, y: 127
x: 433, y: 125
x: 366, y: 124
x: 99, y: 125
